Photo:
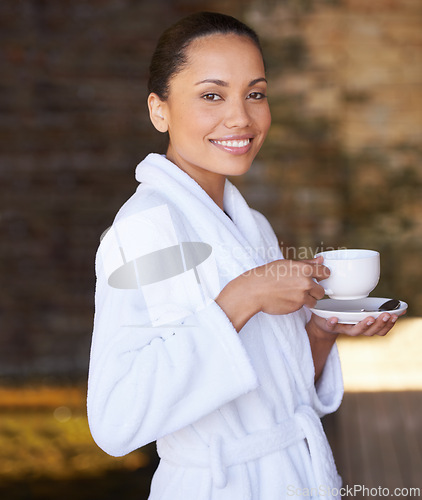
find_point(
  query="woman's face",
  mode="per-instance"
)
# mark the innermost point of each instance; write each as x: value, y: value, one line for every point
x: 217, y: 113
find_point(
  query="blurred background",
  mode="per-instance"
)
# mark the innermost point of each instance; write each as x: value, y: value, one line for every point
x: 341, y: 168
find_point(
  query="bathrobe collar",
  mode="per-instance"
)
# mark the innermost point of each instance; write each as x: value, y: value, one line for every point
x: 164, y: 176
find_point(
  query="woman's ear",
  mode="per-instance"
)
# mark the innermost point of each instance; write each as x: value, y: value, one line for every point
x: 156, y: 112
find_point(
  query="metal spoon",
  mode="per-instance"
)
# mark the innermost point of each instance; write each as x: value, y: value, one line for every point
x: 390, y: 305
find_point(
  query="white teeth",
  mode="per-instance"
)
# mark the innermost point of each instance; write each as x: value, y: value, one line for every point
x: 234, y: 144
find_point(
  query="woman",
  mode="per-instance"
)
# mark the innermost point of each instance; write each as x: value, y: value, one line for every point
x: 202, y: 337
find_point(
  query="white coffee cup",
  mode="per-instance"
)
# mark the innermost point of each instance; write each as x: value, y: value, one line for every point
x: 354, y: 273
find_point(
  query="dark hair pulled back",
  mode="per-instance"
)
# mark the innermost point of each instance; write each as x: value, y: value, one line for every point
x: 169, y: 56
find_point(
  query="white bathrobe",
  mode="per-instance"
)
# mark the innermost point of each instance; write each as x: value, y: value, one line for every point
x: 236, y: 416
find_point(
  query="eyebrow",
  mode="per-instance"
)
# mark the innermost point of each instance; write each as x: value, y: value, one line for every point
x: 222, y: 83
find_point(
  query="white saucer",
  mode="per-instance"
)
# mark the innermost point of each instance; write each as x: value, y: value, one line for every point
x: 349, y: 311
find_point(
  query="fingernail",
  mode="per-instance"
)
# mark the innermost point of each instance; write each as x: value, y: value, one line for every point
x: 370, y: 322
x: 333, y: 322
x: 386, y: 318
x: 394, y: 319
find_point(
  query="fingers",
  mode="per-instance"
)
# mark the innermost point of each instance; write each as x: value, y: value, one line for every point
x: 321, y: 272
x: 309, y: 301
x: 293, y: 280
x: 316, y: 260
x: 317, y: 291
x: 296, y: 268
x: 367, y: 327
x: 380, y: 326
x: 315, y: 269
x: 332, y: 325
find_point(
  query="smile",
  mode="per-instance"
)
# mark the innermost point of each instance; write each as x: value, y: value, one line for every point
x: 233, y: 144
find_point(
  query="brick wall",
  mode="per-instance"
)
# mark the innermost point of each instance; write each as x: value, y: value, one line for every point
x: 341, y: 165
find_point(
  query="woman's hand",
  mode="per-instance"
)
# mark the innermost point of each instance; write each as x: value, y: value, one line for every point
x: 284, y: 286
x: 369, y: 326
x: 280, y: 287
x: 323, y: 333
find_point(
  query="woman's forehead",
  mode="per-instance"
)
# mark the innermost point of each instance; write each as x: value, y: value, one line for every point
x: 208, y: 43
x: 220, y: 52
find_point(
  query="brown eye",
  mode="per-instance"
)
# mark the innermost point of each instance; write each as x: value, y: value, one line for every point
x: 211, y: 97
x: 256, y: 96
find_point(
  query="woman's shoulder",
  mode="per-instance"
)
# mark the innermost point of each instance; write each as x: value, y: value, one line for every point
x: 143, y: 200
x: 144, y: 218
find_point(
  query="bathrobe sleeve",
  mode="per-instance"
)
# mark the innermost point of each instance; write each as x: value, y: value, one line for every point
x: 163, y: 353
x: 327, y: 393
x: 329, y: 388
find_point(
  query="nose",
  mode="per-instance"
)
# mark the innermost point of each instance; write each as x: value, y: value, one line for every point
x: 237, y: 114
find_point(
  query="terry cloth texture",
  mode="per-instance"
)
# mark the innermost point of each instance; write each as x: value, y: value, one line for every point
x: 236, y: 416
